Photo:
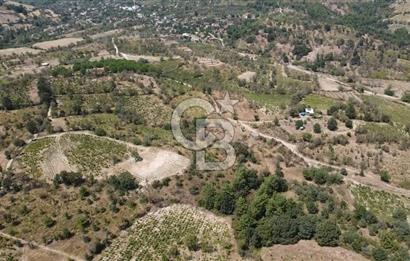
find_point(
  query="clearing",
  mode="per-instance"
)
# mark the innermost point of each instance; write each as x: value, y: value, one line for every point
x: 18, y: 51
x: 308, y: 250
x: 98, y: 156
x: 64, y: 42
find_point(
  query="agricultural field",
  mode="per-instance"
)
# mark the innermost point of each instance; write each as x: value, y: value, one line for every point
x: 399, y: 113
x: 92, y: 154
x: 319, y: 102
x: 33, y: 155
x: 91, y: 170
x: 178, y: 232
x: 380, y: 202
x: 271, y: 101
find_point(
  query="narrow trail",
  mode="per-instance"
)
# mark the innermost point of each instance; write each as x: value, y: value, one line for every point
x: 117, y: 53
x: 42, y: 247
x: 369, y: 179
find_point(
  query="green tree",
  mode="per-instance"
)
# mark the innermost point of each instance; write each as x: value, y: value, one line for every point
x: 7, y: 103
x: 351, y: 111
x: 379, y: 254
x: 317, y: 128
x: 384, y: 176
x: 225, y: 200
x: 307, y: 227
x: 332, y: 124
x: 44, y: 91
x: 123, y: 182
x: 208, y: 197
x: 245, y: 180
x: 327, y: 233
x: 406, y: 97
x: 299, y: 124
x: 31, y: 126
x: 278, y: 230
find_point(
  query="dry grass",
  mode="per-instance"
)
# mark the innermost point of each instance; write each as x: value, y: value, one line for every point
x: 64, y: 42
x: 308, y: 250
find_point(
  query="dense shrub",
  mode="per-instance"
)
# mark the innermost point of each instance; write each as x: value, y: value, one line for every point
x: 69, y: 178
x: 332, y: 124
x: 123, y: 182
x: 327, y: 233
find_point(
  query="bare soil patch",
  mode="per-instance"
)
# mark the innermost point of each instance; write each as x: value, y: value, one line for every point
x: 157, y: 164
x: 309, y: 250
x: 379, y: 86
x: 64, y: 42
x: 18, y: 51
x: 247, y: 76
x: 209, y: 63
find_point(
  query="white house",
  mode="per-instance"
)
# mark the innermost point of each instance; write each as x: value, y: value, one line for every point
x: 309, y: 111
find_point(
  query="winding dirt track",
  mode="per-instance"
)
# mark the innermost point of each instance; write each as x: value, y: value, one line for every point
x: 45, y: 248
x: 369, y: 179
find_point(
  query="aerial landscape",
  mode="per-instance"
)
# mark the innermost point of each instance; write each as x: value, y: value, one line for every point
x: 205, y: 130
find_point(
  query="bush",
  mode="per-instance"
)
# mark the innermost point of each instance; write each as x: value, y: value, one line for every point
x: 311, y: 207
x: 327, y: 233
x: 307, y: 227
x: 31, y: 126
x: 307, y: 137
x: 123, y: 182
x: 389, y: 92
x: 317, y: 128
x: 384, y: 176
x: 7, y: 103
x: 49, y: 222
x: 100, y: 132
x: 299, y: 124
x: 69, y: 179
x: 192, y: 243
x: 332, y: 124
x: 321, y: 176
x: 406, y: 97
x: 379, y: 254
x: 349, y: 124
x: 19, y: 142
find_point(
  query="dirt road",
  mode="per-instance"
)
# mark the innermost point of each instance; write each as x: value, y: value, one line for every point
x: 369, y: 179
x: 45, y: 248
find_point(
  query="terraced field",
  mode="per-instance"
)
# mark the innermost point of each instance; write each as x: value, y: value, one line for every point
x: 33, y: 155
x: 173, y: 233
x: 91, y: 154
x: 99, y: 157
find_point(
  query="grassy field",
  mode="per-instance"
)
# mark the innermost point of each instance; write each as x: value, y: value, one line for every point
x: 116, y: 128
x: 271, y: 101
x: 398, y: 113
x: 173, y: 233
x: 381, y: 133
x: 319, y: 102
